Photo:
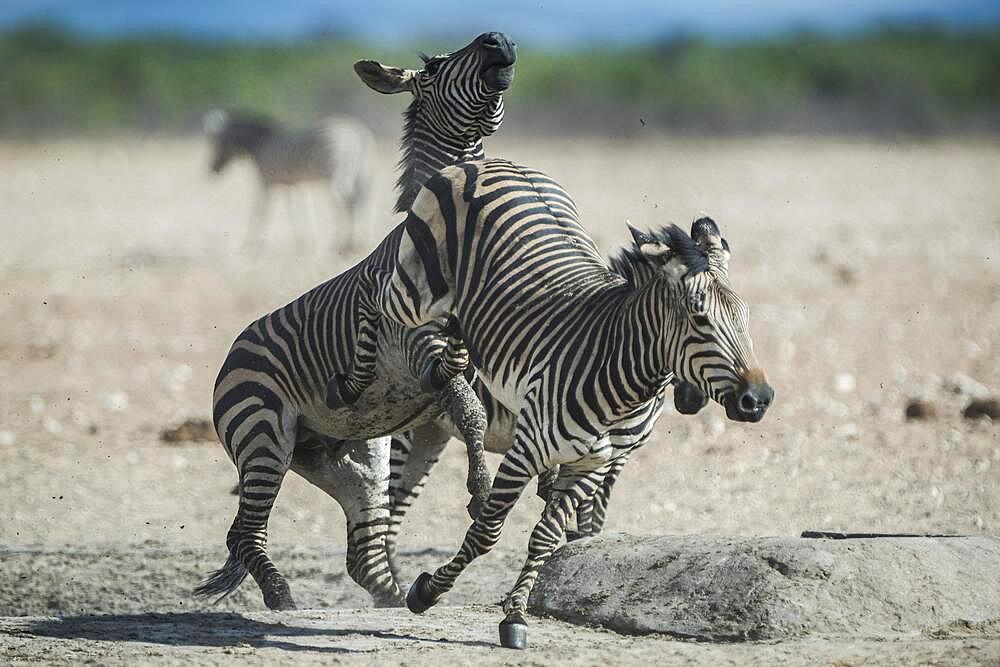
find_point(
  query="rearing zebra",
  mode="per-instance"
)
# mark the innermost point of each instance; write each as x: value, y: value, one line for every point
x: 269, y: 409
x: 338, y: 152
x: 579, y: 353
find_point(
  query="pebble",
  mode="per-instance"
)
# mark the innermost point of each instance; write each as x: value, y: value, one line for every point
x: 918, y: 408
x: 984, y: 407
x: 845, y: 383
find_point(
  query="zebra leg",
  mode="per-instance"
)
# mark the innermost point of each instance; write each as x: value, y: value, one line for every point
x: 262, y: 460
x: 412, y: 456
x: 355, y: 474
x: 344, y: 389
x: 459, y: 401
x: 452, y: 363
x: 571, y: 488
x: 515, y: 472
x: 259, y: 216
x: 592, y: 512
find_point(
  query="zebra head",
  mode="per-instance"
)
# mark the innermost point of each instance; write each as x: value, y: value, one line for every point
x: 233, y: 135
x: 708, y: 340
x: 460, y: 94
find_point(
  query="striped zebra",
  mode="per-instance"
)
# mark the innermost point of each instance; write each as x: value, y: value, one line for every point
x: 338, y: 152
x: 581, y: 353
x: 269, y: 404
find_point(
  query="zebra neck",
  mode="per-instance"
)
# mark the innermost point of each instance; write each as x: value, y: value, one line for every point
x: 427, y: 151
x: 644, y: 341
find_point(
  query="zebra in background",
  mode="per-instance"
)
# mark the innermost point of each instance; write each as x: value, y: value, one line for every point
x: 268, y: 407
x: 581, y: 354
x: 338, y: 152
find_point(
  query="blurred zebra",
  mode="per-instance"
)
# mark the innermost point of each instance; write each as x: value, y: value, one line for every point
x: 338, y: 152
x: 268, y: 407
x: 581, y: 353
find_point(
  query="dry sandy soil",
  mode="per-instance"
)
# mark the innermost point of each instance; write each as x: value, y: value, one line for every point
x: 873, y: 275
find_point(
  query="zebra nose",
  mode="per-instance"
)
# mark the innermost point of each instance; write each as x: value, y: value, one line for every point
x: 499, y: 49
x: 755, y: 399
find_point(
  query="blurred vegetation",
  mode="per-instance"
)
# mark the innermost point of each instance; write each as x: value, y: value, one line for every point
x: 912, y: 81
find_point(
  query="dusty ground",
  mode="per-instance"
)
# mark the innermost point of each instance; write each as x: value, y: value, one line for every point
x: 873, y: 276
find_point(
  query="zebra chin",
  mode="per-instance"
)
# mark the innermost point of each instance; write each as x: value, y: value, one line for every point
x: 498, y: 78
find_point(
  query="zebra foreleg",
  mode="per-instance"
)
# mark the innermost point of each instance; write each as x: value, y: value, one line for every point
x: 344, y: 389
x: 261, y: 472
x: 572, y: 487
x: 412, y: 456
x: 356, y: 475
x: 459, y: 401
x: 513, y: 476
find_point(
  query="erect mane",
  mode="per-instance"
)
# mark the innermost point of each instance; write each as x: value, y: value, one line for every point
x: 406, y: 183
x: 635, y: 267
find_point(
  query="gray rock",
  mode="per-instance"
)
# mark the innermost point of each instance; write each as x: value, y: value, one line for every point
x: 745, y: 588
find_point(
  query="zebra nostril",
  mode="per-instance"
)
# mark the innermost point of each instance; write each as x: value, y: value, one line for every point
x: 748, y: 402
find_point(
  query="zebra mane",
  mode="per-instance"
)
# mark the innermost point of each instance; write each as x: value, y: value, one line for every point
x: 407, y: 182
x: 636, y: 267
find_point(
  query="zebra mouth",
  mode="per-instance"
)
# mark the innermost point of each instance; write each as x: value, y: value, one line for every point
x: 498, y: 77
x: 741, y: 413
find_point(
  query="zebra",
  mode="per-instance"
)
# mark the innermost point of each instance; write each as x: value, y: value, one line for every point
x: 338, y: 152
x: 268, y: 406
x: 580, y: 353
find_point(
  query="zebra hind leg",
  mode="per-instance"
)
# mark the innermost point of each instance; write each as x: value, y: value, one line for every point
x: 356, y: 475
x: 571, y: 488
x: 261, y: 472
x: 592, y: 512
x: 413, y: 455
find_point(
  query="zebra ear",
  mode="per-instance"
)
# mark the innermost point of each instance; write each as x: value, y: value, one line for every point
x: 384, y: 79
x: 649, y: 247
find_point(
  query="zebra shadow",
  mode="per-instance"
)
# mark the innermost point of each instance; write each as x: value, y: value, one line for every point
x: 212, y: 630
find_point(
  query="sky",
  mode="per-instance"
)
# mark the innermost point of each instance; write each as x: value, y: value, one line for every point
x: 557, y: 23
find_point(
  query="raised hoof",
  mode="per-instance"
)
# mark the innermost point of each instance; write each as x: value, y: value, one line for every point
x: 336, y: 395
x: 514, y: 633
x: 278, y: 597
x: 419, y: 598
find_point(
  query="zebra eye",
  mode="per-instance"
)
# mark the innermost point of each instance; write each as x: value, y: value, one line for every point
x: 700, y: 320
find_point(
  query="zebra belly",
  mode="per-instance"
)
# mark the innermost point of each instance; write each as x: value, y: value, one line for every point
x: 393, y: 403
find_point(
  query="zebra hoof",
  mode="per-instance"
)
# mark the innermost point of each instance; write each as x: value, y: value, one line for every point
x: 419, y: 598
x: 514, y: 632
x: 338, y: 396
x: 277, y: 596
x: 428, y: 382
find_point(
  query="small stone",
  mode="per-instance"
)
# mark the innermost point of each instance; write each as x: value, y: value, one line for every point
x: 190, y: 430
x: 982, y: 407
x: 918, y: 408
x: 845, y: 383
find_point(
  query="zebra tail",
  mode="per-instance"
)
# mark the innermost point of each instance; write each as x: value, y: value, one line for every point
x: 223, y: 581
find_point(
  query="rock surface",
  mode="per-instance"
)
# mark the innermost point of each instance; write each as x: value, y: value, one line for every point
x: 744, y: 588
